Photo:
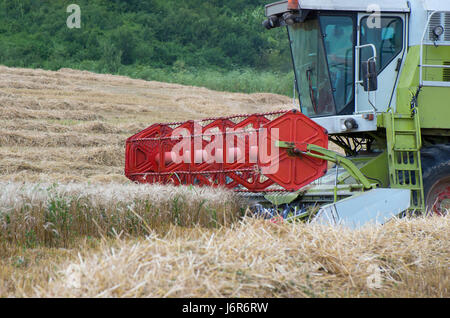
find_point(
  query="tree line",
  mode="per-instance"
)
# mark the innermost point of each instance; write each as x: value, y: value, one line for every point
x: 191, y: 34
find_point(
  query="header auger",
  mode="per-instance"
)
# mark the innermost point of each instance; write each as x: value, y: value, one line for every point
x: 373, y: 80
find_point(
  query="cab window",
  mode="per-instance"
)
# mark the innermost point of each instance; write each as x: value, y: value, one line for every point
x: 388, y: 40
x: 337, y: 32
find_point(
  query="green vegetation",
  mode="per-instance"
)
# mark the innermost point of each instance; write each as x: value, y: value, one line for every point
x: 240, y: 80
x: 218, y: 44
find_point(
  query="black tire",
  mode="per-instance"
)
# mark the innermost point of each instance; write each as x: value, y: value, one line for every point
x: 436, y: 177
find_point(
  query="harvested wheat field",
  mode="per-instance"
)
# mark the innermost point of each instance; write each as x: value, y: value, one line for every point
x: 84, y: 240
x: 72, y: 125
x: 73, y: 226
x: 256, y: 259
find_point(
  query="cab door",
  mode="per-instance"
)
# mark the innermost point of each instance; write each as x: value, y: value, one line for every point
x: 388, y: 36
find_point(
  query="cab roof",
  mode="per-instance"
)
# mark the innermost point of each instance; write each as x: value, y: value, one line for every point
x: 341, y: 5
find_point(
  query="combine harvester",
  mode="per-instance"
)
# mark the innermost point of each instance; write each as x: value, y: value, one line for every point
x: 376, y: 84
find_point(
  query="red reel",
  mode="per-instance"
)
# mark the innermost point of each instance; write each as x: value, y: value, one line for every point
x: 236, y: 152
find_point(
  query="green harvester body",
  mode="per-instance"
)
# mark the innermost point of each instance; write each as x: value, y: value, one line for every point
x: 381, y: 120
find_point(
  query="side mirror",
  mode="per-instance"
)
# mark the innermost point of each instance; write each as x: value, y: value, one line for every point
x: 370, y: 76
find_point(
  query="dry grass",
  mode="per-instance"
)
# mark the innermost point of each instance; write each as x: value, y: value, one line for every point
x: 72, y: 125
x: 43, y: 225
x: 261, y: 259
x: 53, y: 215
x: 162, y: 241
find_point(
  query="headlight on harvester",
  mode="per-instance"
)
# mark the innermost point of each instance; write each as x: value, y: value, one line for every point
x: 438, y: 31
x: 289, y: 18
x: 271, y: 22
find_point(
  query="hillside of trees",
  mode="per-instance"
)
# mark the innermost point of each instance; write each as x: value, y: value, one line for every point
x: 218, y: 44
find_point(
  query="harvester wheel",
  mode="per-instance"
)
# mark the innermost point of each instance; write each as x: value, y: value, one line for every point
x: 436, y: 178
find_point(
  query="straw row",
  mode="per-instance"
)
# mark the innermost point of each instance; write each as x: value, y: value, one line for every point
x: 55, y: 214
x: 405, y: 258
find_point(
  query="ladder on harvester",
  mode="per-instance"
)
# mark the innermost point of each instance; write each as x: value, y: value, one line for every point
x: 403, y: 147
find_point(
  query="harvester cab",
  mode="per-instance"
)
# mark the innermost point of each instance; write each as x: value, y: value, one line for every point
x: 372, y: 79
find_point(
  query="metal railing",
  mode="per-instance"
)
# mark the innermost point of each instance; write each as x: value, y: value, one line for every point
x: 422, y: 82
